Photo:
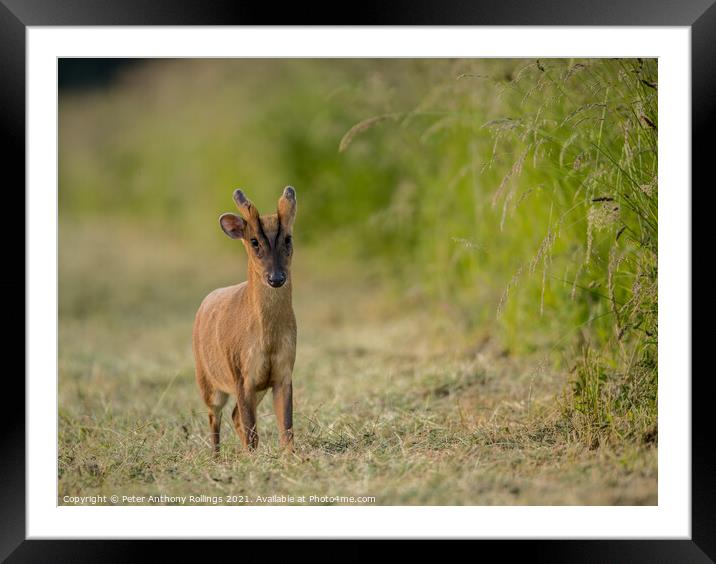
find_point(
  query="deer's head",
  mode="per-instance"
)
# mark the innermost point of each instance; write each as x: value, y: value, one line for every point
x: 267, y: 238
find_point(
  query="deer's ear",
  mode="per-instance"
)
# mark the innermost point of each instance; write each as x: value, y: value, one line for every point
x: 287, y: 207
x: 232, y: 225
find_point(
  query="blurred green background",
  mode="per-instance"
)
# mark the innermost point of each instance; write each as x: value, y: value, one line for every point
x: 513, y: 200
x: 454, y: 173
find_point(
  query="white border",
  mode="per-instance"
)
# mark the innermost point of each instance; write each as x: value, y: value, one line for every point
x: 671, y: 518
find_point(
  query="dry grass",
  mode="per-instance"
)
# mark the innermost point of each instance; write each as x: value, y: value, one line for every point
x: 391, y: 400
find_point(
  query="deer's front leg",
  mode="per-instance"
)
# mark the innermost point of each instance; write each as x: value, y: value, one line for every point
x: 244, y: 416
x: 283, y: 406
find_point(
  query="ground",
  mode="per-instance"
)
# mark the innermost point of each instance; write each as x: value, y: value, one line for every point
x: 391, y: 400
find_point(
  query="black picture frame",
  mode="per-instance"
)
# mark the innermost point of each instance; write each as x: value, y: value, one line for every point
x: 17, y: 15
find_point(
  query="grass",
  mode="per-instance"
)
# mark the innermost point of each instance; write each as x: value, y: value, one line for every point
x: 391, y: 401
x: 477, y: 255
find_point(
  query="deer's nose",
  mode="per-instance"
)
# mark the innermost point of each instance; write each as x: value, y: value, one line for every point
x: 276, y: 279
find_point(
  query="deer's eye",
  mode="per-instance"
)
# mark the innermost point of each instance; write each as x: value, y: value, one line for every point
x: 288, y: 240
x: 254, y: 243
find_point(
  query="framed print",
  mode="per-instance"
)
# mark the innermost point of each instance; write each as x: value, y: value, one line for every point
x: 397, y: 277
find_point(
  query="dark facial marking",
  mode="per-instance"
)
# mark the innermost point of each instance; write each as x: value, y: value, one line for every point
x: 262, y: 234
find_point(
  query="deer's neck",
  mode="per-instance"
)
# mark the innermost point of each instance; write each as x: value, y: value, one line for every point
x: 271, y: 306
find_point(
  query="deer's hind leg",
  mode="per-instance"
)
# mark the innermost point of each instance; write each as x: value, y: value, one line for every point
x: 215, y: 400
x: 218, y: 401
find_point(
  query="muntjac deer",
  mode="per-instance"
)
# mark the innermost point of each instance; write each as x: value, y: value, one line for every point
x: 245, y: 335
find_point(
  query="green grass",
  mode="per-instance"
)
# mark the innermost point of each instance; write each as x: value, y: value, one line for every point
x: 390, y: 401
x: 477, y: 241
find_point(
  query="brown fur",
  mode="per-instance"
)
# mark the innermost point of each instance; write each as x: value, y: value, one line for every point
x: 244, y: 336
